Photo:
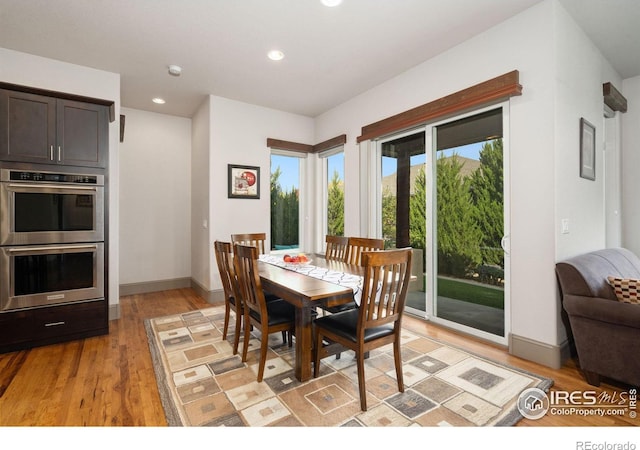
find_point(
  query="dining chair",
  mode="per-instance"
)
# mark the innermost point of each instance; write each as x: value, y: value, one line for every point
x: 232, y: 298
x: 336, y: 248
x: 254, y: 239
x: 267, y: 317
x: 376, y: 322
x: 357, y: 245
x: 353, y: 255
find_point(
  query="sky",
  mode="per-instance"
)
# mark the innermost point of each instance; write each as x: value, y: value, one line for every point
x: 290, y: 175
x: 289, y: 167
x: 471, y: 151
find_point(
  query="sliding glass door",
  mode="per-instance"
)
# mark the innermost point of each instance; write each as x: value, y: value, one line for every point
x: 467, y: 254
x: 442, y: 192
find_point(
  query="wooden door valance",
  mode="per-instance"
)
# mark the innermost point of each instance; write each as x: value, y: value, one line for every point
x: 306, y: 148
x: 487, y: 92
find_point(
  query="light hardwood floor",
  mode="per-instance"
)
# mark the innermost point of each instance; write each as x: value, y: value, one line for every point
x: 109, y: 380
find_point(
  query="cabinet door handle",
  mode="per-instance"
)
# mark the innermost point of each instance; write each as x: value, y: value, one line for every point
x: 54, y: 324
x: 59, y: 154
x: 51, y: 153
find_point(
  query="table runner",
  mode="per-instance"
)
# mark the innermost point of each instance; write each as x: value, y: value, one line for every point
x: 354, y: 282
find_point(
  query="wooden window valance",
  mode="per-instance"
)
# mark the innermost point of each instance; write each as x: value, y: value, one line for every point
x: 490, y: 91
x: 306, y: 148
x: 613, y: 98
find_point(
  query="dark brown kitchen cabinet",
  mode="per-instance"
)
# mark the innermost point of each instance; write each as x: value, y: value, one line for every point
x: 43, y: 326
x: 42, y: 129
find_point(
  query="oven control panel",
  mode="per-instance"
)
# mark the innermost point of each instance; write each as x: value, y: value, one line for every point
x: 51, y: 177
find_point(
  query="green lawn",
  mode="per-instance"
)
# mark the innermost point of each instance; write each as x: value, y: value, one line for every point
x: 472, y: 293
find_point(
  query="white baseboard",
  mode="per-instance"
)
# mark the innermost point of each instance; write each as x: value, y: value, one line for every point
x: 548, y: 355
x: 154, y: 286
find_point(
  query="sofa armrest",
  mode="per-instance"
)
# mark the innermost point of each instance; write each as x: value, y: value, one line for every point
x: 603, y: 310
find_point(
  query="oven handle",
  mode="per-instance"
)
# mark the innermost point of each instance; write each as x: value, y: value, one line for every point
x: 52, y: 186
x: 56, y: 247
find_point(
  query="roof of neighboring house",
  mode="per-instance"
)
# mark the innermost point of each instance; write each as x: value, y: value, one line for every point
x: 389, y: 182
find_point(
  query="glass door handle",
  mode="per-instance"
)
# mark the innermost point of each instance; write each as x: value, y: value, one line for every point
x: 503, y: 243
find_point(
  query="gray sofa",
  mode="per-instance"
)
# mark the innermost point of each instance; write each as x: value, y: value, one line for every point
x: 606, y: 332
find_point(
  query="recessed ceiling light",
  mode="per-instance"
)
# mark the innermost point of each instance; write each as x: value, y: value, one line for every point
x: 159, y: 101
x: 275, y: 55
x: 330, y: 3
x: 175, y: 70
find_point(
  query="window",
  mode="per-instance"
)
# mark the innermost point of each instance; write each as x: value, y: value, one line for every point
x: 286, y: 173
x: 333, y: 191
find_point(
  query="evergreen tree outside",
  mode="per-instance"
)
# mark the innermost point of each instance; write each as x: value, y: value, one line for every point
x: 389, y: 202
x: 276, y: 212
x: 284, y: 213
x: 458, y: 231
x: 335, y: 206
x: 487, y: 192
x: 417, y: 212
x: 470, y: 218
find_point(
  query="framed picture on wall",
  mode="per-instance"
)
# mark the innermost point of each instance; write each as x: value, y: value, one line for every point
x: 587, y: 150
x: 243, y: 181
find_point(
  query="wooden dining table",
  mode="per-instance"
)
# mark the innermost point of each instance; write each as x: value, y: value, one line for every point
x: 306, y: 293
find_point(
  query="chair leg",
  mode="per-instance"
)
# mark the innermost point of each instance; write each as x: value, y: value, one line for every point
x: 290, y: 333
x: 247, y: 327
x: 226, y: 321
x: 398, y: 361
x: 361, y: 385
x: 264, y: 346
x: 316, y: 352
x: 236, y: 338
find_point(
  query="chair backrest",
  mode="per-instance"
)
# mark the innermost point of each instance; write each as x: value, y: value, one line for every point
x: 336, y: 248
x: 387, y: 274
x: 246, y: 264
x: 252, y: 239
x: 224, y: 258
x: 357, y: 245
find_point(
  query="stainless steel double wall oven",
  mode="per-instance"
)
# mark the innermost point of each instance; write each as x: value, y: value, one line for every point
x: 52, y: 236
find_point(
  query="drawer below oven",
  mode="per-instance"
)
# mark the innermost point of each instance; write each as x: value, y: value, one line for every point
x: 42, y: 326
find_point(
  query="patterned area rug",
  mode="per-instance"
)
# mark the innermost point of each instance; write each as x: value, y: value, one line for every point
x: 202, y: 383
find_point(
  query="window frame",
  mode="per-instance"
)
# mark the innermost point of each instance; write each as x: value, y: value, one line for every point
x: 302, y: 193
x: 323, y: 158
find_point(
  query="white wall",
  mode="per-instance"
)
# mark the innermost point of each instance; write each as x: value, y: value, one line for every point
x: 562, y: 74
x: 581, y: 71
x: 28, y: 70
x: 239, y: 133
x: 200, y: 186
x: 525, y: 43
x: 155, y: 197
x: 630, y: 162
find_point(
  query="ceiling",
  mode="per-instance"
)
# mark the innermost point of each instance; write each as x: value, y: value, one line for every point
x: 331, y: 54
